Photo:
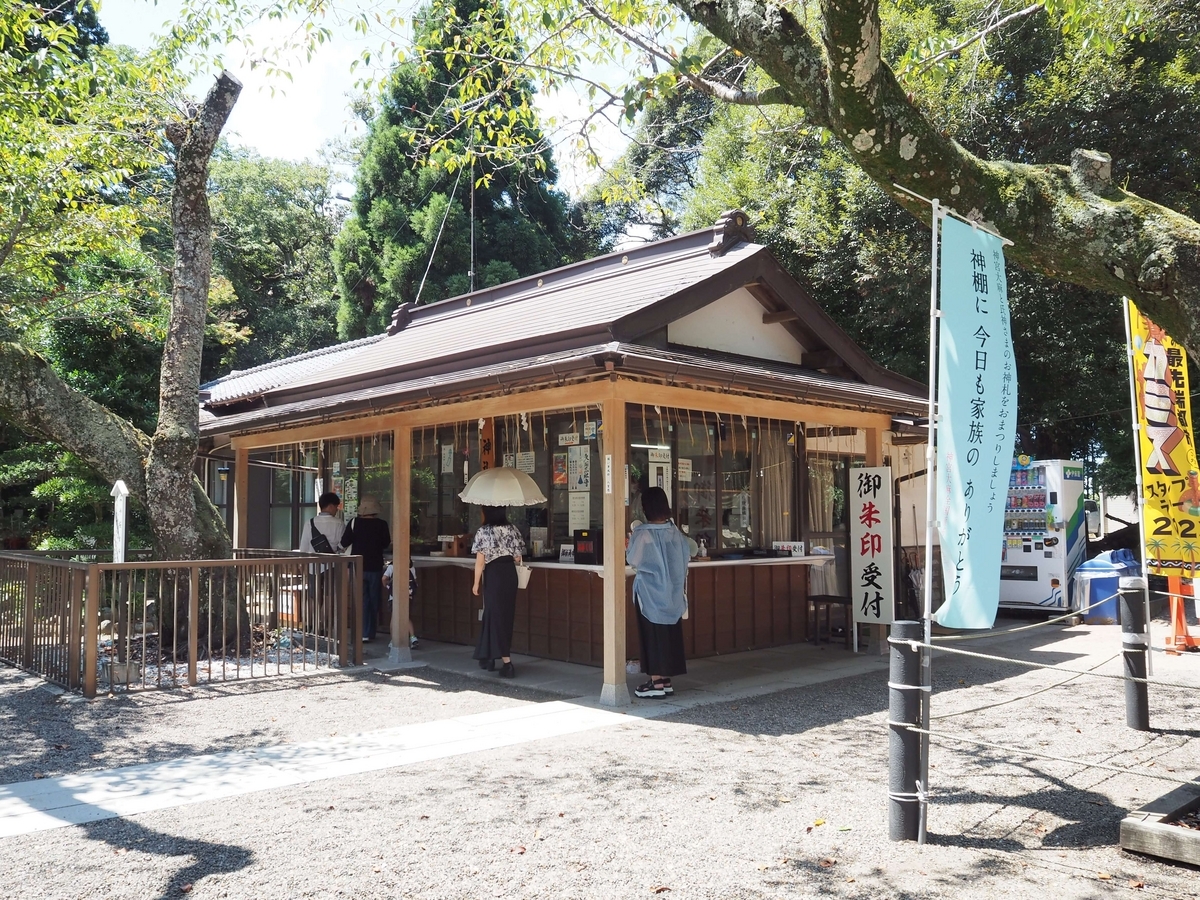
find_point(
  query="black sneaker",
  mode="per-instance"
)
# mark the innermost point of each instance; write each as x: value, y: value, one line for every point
x: 650, y: 689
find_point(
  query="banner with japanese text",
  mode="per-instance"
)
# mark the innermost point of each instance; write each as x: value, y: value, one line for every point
x: 977, y: 418
x: 872, y: 549
x: 1166, y: 449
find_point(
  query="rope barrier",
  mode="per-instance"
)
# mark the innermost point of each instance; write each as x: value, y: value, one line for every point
x: 994, y: 633
x: 917, y: 645
x: 1035, y: 755
x: 1025, y: 696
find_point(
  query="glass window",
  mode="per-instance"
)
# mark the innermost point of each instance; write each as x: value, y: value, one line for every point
x: 696, y: 510
x: 356, y: 468
x: 828, y: 523
x: 736, y: 533
x: 731, y: 480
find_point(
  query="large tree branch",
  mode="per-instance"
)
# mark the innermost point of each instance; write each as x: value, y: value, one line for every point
x: 38, y: 402
x: 1068, y: 222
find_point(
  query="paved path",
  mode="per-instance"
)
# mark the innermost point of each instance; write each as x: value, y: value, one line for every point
x: 40, y: 805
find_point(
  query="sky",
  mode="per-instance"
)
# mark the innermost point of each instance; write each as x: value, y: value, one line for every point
x: 295, y: 119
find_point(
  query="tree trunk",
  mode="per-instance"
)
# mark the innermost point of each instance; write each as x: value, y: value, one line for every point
x: 158, y: 470
x: 171, y: 501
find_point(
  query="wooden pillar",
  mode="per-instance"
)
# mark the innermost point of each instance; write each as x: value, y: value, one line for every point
x: 614, y: 452
x: 241, y: 496
x: 874, y: 452
x: 401, y: 541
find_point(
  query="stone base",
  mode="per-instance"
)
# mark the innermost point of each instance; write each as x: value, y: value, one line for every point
x: 398, y: 658
x: 615, y: 695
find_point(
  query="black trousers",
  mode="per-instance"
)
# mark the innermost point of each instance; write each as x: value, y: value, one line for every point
x: 499, y: 609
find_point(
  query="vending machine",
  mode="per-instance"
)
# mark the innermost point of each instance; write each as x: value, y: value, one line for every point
x: 1044, y: 533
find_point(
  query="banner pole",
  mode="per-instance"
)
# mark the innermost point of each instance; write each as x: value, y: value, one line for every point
x: 1137, y: 460
x: 930, y: 521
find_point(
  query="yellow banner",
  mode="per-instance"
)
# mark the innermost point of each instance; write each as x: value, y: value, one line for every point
x: 1166, y: 449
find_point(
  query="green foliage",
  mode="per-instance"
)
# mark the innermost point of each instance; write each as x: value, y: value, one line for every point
x: 413, y: 194
x: 78, y: 124
x: 52, y: 500
x: 274, y: 225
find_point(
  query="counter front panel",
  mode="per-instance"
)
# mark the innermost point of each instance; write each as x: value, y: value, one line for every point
x: 561, y: 614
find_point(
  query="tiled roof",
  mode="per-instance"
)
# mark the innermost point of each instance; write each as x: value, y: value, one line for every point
x: 240, y: 384
x: 583, y: 300
x: 756, y: 375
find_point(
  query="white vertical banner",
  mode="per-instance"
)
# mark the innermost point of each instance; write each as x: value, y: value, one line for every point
x: 872, y: 546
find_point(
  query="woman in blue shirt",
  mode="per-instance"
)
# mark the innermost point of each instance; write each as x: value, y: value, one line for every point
x: 660, y: 553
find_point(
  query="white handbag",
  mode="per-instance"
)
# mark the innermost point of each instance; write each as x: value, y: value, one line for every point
x: 523, y: 573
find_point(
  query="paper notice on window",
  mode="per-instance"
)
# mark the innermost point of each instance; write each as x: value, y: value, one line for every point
x: 579, y: 512
x: 579, y: 468
x: 447, y: 457
x: 510, y: 461
x: 685, y: 470
x: 526, y: 462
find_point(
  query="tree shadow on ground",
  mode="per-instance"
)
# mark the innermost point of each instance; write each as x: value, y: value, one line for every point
x: 208, y: 858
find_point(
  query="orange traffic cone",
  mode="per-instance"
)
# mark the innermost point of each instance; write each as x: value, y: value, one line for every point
x: 1179, y: 639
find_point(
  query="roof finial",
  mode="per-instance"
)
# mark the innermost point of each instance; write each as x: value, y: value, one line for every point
x: 401, y: 316
x: 731, y: 228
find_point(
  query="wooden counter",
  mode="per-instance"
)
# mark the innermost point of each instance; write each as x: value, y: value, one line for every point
x: 735, y: 604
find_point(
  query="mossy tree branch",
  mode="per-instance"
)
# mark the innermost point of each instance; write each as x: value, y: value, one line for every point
x: 1069, y: 222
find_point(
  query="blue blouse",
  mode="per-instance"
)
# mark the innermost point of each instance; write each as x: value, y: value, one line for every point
x: 660, y: 554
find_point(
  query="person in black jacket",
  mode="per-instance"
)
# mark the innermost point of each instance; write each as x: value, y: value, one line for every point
x: 368, y: 536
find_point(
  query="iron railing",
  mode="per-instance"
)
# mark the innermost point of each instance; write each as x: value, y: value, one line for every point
x: 87, y: 623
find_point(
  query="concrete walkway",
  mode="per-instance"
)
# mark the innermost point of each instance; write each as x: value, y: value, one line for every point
x: 709, y: 680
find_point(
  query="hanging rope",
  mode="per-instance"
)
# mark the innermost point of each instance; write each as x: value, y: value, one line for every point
x: 1018, y: 751
x: 917, y: 645
x: 438, y: 239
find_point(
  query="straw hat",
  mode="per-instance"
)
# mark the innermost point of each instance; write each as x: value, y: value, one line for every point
x: 369, y: 506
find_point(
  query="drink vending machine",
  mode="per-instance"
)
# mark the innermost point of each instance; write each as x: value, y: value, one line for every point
x: 1044, y: 533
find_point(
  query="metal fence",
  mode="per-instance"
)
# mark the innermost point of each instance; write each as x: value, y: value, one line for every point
x: 89, y: 624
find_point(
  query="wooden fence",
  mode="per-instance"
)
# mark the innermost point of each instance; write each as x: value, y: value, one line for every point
x: 82, y: 621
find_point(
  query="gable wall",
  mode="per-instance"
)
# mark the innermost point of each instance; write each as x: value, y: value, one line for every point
x: 734, y: 324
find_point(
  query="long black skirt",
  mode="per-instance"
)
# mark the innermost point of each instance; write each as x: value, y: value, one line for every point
x: 499, y: 609
x: 662, y: 646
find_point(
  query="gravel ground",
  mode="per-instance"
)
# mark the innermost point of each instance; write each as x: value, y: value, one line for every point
x: 778, y: 796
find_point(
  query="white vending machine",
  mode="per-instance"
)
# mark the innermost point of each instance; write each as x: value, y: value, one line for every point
x: 1044, y: 533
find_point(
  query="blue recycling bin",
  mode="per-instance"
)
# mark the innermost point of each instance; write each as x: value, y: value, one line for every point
x: 1097, y: 581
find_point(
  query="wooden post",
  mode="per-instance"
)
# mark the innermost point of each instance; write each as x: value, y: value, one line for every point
x: 75, y: 589
x: 193, y: 623
x: 241, y: 496
x: 345, y: 624
x: 30, y: 630
x: 91, y: 631
x: 615, y: 690
x: 401, y: 542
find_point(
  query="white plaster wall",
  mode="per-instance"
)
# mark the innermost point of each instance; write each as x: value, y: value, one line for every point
x: 734, y: 324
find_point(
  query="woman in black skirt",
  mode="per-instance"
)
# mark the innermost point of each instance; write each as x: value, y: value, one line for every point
x: 660, y: 553
x: 498, y: 547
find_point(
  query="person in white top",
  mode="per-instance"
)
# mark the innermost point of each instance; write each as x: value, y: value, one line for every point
x: 326, y: 524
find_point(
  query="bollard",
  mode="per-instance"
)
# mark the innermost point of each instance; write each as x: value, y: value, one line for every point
x: 1133, y: 643
x: 904, y: 745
